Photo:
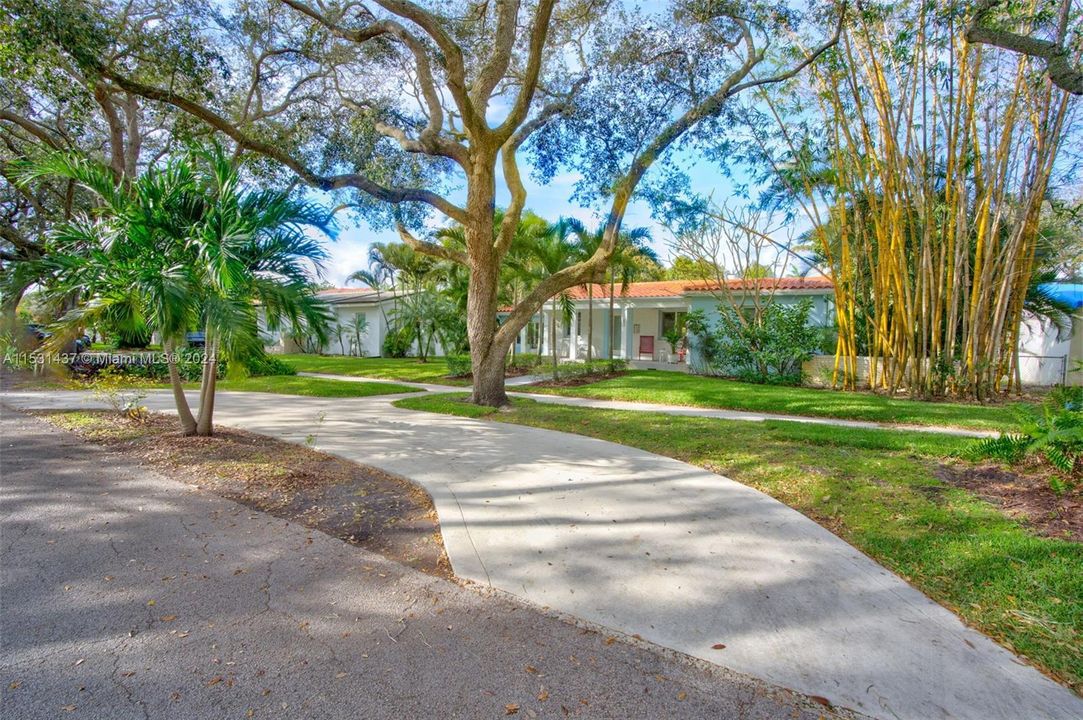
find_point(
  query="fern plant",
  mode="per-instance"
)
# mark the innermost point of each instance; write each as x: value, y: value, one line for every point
x: 1054, y: 432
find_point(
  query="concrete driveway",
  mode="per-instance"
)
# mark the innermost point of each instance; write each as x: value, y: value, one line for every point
x: 129, y: 595
x: 682, y: 557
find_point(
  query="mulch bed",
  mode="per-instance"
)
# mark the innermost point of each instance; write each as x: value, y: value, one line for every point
x: 576, y: 381
x: 361, y: 505
x: 1025, y: 496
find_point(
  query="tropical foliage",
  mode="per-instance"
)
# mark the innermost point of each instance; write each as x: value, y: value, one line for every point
x: 185, y: 246
x: 1052, y: 431
x: 766, y: 347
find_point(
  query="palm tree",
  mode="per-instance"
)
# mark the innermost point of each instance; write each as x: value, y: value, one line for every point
x: 629, y: 252
x: 359, y: 326
x: 550, y: 253
x: 184, y: 246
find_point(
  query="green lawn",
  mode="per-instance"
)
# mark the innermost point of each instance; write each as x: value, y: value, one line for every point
x: 677, y: 388
x: 283, y: 385
x: 877, y: 489
x: 405, y: 369
x: 315, y: 387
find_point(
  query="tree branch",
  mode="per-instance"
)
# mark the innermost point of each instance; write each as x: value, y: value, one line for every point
x: 538, y: 35
x: 36, y: 129
x: 431, y: 248
x: 1058, y: 64
x: 503, y: 42
x: 358, y: 181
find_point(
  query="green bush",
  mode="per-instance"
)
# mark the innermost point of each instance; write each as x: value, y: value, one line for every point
x: 263, y: 365
x: 458, y: 365
x: 769, y: 348
x: 397, y: 342
x: 524, y: 362
x: 595, y: 368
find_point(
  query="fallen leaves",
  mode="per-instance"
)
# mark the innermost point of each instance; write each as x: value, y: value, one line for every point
x: 68, y: 708
x: 511, y: 709
x: 543, y: 695
x: 682, y: 696
x: 168, y: 618
x: 718, y: 646
x: 15, y: 684
x: 531, y: 669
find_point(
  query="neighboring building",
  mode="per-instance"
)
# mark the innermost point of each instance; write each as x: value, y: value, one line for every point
x: 346, y: 304
x: 1047, y: 357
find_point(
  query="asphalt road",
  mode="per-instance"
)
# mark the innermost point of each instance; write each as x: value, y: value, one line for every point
x: 127, y: 594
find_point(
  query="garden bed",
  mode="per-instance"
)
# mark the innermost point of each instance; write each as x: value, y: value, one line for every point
x: 1026, y: 497
x: 577, y: 381
x: 355, y: 503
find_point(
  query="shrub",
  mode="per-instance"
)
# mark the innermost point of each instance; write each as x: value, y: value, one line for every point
x: 524, y: 362
x: 769, y: 348
x: 265, y: 364
x: 1054, y: 432
x: 397, y: 342
x: 595, y: 368
x: 458, y: 365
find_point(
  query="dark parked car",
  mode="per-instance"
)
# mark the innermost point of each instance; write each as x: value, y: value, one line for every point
x: 38, y: 332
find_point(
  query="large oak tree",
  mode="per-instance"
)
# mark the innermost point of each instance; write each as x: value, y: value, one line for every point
x: 427, y: 107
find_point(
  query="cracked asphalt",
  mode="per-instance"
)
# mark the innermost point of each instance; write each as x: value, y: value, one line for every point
x: 125, y: 594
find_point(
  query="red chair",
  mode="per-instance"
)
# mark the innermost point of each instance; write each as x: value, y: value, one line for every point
x: 646, y: 345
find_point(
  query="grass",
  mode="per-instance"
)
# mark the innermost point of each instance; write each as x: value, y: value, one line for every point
x: 279, y: 384
x: 878, y: 490
x: 677, y: 388
x: 404, y: 369
x: 314, y: 387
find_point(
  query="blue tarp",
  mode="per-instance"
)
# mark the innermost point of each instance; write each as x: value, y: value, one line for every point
x: 1066, y: 292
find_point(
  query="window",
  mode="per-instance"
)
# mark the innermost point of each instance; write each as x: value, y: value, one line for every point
x: 671, y: 320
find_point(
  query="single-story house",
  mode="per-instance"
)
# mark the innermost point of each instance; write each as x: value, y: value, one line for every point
x: 646, y: 310
x: 347, y: 304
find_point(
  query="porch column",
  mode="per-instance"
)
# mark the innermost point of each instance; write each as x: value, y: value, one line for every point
x: 626, y: 326
x: 522, y: 338
x: 573, y: 337
x: 607, y: 330
x: 545, y: 339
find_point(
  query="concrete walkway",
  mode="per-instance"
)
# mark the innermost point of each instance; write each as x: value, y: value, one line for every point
x: 130, y: 595
x: 674, y: 409
x: 682, y: 557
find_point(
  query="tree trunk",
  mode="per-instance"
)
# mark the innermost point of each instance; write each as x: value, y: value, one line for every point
x: 486, y: 358
x: 187, y: 420
x: 205, y: 422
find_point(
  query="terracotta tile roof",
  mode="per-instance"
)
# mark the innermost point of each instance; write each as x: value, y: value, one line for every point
x: 677, y: 288
x: 786, y: 283
x: 650, y: 289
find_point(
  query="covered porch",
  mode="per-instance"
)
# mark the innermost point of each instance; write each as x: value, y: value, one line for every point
x: 634, y: 330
